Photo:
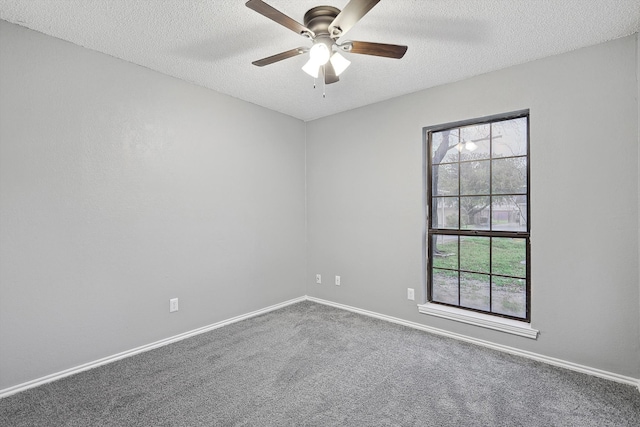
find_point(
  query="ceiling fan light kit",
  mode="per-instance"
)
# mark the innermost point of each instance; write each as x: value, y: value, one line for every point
x: 339, y: 62
x: 311, y: 68
x: 324, y: 25
x: 319, y: 53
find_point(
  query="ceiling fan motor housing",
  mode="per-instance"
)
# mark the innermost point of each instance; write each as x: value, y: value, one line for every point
x: 319, y: 18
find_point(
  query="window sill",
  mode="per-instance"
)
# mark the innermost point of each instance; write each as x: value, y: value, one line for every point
x: 501, y: 324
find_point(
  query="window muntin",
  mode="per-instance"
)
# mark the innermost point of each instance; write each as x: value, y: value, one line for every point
x: 478, y: 222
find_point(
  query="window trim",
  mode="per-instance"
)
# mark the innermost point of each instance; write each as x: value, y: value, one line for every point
x: 497, y: 321
x: 489, y: 321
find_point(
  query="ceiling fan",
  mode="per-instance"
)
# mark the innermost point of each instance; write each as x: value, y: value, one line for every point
x: 324, y: 25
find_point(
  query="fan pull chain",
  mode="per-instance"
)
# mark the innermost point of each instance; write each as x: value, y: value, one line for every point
x: 314, y: 82
x: 324, y: 86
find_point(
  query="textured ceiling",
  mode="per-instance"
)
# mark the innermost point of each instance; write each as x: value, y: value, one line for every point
x: 212, y: 43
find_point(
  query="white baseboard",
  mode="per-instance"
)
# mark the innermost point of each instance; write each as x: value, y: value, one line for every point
x: 84, y: 367
x: 541, y: 358
x: 530, y: 355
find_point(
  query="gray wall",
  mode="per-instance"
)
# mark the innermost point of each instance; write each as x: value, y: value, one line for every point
x: 366, y: 215
x: 121, y: 188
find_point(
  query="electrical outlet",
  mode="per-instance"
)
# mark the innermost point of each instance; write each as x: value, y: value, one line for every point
x: 411, y: 294
x: 173, y: 305
x: 318, y: 278
x: 337, y: 280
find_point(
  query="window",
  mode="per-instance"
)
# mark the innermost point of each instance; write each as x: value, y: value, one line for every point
x: 478, y: 215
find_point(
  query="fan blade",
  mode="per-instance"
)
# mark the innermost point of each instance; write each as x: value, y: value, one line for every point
x: 329, y: 74
x: 279, y: 57
x: 378, y: 49
x: 352, y: 13
x: 275, y: 15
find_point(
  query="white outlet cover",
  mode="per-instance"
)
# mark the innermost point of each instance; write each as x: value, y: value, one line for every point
x: 173, y: 305
x: 318, y: 278
x: 411, y: 294
x: 337, y: 280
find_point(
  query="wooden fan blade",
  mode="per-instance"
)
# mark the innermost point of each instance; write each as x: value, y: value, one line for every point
x: 329, y: 74
x: 279, y: 57
x: 378, y: 49
x: 275, y: 15
x: 352, y: 13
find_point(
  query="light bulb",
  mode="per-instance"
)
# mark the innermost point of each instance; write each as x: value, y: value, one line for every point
x: 340, y: 63
x: 311, y: 68
x: 319, y: 53
x: 470, y: 145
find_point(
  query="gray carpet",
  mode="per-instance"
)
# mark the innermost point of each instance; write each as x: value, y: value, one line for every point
x: 313, y: 365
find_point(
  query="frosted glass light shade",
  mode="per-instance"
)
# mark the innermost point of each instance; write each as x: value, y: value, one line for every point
x: 311, y: 68
x: 340, y: 63
x: 319, y: 53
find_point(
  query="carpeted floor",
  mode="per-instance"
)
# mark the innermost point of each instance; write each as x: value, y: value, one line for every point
x: 313, y: 365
